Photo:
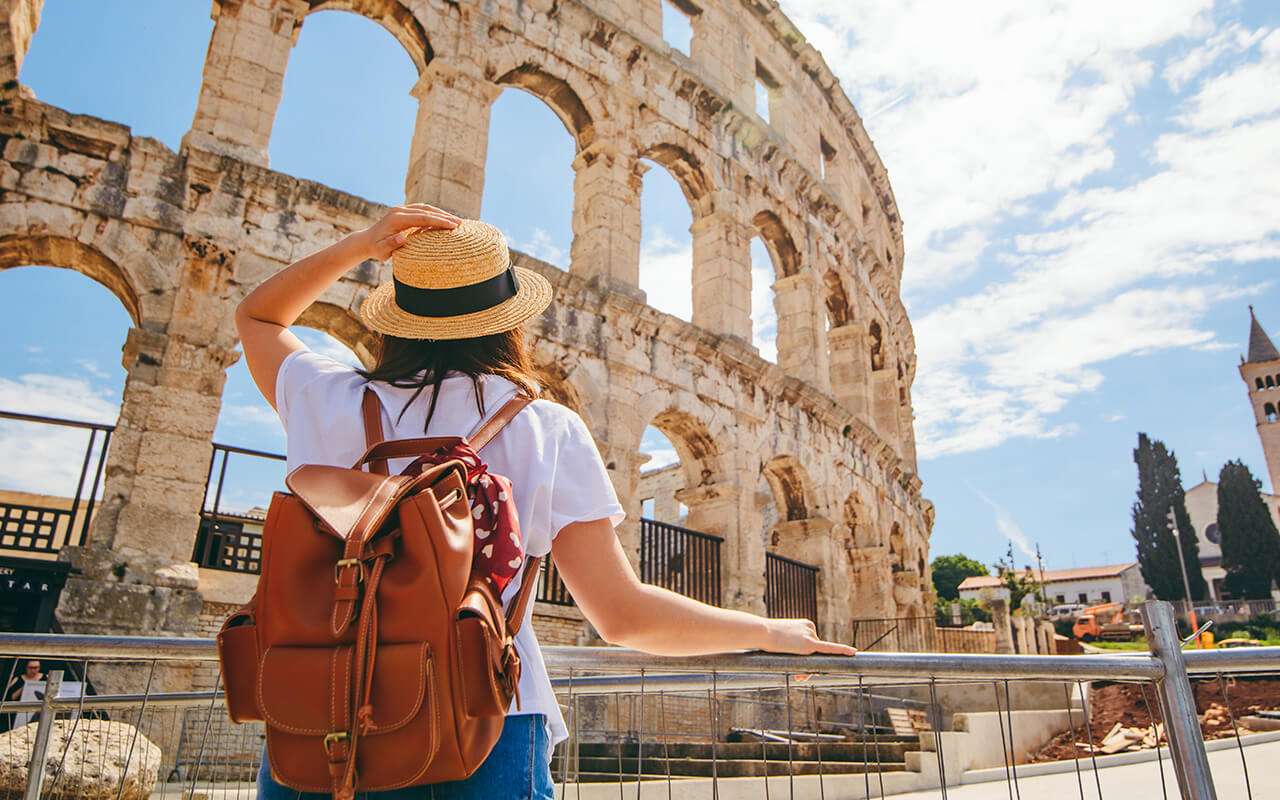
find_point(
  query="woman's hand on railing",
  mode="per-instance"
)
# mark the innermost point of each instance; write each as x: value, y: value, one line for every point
x: 383, y: 237
x: 800, y: 636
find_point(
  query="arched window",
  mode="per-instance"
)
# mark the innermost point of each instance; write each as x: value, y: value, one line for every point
x: 310, y: 140
x: 1260, y: 385
x: 877, y: 347
x: 1271, y: 384
x: 666, y: 243
x: 70, y: 372
x: 528, y: 177
x: 1270, y: 411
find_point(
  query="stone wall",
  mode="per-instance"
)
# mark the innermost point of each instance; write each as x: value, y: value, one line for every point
x: 180, y: 237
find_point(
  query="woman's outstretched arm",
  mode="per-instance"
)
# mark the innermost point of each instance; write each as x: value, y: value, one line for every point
x: 643, y: 617
x: 264, y: 316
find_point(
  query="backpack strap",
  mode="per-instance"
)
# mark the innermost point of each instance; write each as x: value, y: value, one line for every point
x: 379, y: 451
x: 372, y: 411
x: 515, y: 615
x: 498, y: 421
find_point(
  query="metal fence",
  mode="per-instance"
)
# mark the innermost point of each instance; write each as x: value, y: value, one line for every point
x: 551, y: 588
x: 682, y: 560
x: 47, y: 524
x: 790, y: 588
x: 754, y: 725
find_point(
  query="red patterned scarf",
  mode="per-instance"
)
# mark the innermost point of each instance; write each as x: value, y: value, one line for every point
x: 498, y: 552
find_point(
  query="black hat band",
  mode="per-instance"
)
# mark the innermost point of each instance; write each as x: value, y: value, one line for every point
x: 458, y: 300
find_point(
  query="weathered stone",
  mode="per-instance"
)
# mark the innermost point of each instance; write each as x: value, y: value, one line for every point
x: 89, y: 759
x: 181, y: 237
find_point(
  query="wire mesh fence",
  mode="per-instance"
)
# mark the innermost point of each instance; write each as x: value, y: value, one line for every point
x: 126, y: 723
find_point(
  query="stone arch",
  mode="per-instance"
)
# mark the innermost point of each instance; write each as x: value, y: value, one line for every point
x: 343, y: 325
x: 782, y: 249
x: 688, y: 170
x: 790, y: 486
x: 694, y: 444
x: 393, y: 15
x: 553, y: 380
x: 839, y: 311
x: 877, y: 346
x: 54, y: 251
x: 557, y: 93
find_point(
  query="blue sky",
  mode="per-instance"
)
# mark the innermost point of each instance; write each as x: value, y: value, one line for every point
x: 1089, y: 192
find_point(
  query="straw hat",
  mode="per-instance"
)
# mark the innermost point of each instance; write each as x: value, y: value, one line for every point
x: 455, y: 283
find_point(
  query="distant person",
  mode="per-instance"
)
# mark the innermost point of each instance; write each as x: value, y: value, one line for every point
x: 31, y: 673
x: 451, y: 352
x: 13, y: 692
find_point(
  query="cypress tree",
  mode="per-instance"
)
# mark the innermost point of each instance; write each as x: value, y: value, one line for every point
x: 1250, y: 542
x: 1159, y: 489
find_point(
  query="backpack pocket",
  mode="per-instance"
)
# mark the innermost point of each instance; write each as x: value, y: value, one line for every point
x: 305, y: 694
x: 488, y: 667
x: 238, y: 656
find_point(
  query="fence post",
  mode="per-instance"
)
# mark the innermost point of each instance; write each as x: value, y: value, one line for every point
x: 44, y: 726
x: 1178, y: 704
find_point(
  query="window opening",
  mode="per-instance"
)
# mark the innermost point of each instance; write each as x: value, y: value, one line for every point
x: 764, y: 313
x: 677, y: 24
x: 828, y: 155
x: 767, y: 89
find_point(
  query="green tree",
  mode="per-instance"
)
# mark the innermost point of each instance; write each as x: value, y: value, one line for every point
x: 1019, y: 582
x: 950, y: 571
x: 1250, y: 542
x: 1159, y: 490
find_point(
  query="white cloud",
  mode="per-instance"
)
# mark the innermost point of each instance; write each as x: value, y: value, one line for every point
x: 46, y: 459
x: 764, y: 317
x: 327, y: 346
x: 1009, y: 529
x: 541, y: 246
x: 259, y: 414
x: 658, y: 459
x: 997, y: 124
x: 666, y: 273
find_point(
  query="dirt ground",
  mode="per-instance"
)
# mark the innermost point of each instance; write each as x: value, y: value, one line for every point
x: 1126, y: 704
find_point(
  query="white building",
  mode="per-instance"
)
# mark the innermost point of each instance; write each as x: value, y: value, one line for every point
x: 1087, y: 585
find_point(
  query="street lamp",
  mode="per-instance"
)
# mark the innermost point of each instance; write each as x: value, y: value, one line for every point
x: 1182, y: 563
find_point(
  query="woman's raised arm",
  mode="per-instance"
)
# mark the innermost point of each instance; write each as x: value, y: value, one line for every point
x: 643, y: 617
x: 264, y: 316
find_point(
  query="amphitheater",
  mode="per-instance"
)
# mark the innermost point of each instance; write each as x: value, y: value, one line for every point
x: 180, y: 237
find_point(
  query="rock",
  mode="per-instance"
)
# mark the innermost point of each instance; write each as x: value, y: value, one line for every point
x: 98, y: 758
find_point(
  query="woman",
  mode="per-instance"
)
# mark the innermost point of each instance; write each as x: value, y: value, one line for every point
x: 452, y: 352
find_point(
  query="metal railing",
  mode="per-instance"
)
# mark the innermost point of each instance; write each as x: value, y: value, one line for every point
x: 45, y: 527
x: 790, y: 588
x: 550, y: 588
x: 685, y: 561
x: 797, y: 750
x: 222, y: 541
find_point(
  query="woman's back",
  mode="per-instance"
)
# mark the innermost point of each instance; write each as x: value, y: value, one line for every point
x: 556, y: 472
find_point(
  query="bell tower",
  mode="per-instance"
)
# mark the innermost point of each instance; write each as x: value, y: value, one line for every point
x: 1261, y: 373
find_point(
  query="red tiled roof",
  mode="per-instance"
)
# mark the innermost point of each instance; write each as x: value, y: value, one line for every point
x: 1054, y: 575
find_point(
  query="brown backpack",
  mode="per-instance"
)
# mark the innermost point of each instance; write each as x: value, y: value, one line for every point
x: 368, y: 622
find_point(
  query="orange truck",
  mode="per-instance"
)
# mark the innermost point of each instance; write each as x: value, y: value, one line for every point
x: 1105, y: 621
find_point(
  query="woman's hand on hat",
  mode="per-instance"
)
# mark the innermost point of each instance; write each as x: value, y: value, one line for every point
x: 389, y: 233
x: 800, y: 636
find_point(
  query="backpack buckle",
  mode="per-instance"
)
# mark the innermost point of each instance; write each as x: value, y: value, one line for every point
x: 348, y: 562
x: 330, y: 739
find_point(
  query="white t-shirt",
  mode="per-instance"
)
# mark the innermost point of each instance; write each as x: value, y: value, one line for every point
x: 546, y: 451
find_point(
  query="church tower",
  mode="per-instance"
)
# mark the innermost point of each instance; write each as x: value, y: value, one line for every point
x: 1261, y: 373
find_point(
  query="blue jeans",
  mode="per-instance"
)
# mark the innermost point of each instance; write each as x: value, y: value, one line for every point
x: 516, y: 769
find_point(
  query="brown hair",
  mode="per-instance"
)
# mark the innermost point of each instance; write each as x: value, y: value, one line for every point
x: 419, y: 363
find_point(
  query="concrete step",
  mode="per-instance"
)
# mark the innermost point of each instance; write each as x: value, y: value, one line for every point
x: 604, y: 769
x: 889, y: 750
